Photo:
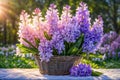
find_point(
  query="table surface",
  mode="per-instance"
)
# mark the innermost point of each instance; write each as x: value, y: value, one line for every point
x: 23, y: 74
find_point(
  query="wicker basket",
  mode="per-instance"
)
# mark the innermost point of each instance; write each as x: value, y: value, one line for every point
x: 58, y: 65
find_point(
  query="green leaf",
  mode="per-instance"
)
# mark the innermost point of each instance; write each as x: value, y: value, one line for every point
x: 55, y: 51
x: 25, y: 49
x: 75, y: 49
x: 37, y: 41
x: 29, y: 43
x: 77, y: 46
x: 72, y: 50
x: 66, y: 48
x: 79, y: 50
x: 47, y: 36
x: 79, y: 42
x: 96, y: 73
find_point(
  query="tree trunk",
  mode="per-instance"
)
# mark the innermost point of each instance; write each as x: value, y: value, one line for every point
x: 5, y: 32
x: 115, y: 25
x: 15, y: 34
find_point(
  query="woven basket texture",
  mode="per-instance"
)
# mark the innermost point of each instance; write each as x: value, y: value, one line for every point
x: 58, y: 65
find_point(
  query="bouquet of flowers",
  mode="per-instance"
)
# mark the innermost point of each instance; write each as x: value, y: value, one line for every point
x: 65, y: 35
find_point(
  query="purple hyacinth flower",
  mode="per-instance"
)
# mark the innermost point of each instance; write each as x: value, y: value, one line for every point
x: 81, y: 70
x: 74, y: 71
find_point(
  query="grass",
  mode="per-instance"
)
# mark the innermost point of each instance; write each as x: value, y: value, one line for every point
x: 105, y: 64
x: 16, y: 62
x: 21, y: 62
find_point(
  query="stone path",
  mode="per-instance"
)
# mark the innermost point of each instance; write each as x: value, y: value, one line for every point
x: 23, y: 74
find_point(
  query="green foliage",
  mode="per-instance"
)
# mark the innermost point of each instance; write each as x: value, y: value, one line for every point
x: 77, y: 46
x: 48, y: 37
x: 96, y: 73
x: 32, y: 49
x: 29, y: 43
x: 13, y: 61
x: 25, y: 49
x: 112, y: 63
x: 74, y: 48
x: 105, y: 64
x: 37, y: 41
x: 16, y: 62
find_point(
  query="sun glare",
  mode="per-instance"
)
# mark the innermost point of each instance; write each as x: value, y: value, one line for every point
x: 6, y: 8
x: 0, y: 10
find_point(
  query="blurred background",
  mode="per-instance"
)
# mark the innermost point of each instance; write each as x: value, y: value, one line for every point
x: 11, y: 9
x: 9, y: 19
